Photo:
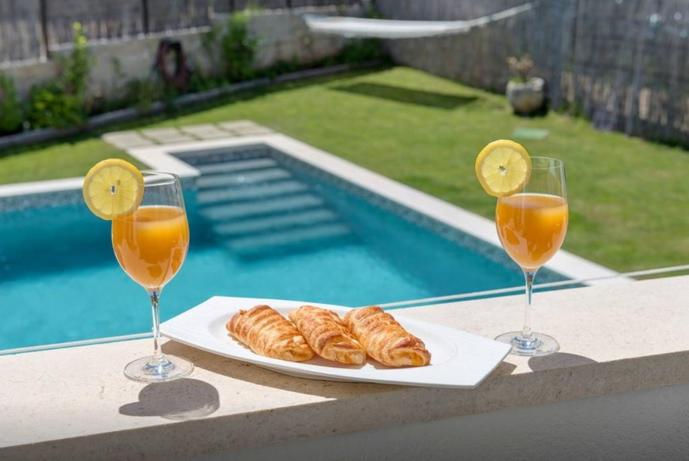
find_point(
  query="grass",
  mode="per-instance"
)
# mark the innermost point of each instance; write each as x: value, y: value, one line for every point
x: 64, y: 160
x: 625, y: 194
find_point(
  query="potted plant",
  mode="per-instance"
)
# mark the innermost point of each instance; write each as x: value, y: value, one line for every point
x: 526, y: 95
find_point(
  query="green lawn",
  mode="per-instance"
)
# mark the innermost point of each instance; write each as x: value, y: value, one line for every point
x: 626, y: 195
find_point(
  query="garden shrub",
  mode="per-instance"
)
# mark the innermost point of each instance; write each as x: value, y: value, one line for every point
x: 361, y: 50
x: 11, y: 113
x: 51, y: 106
x: 63, y: 104
x: 143, y: 93
x: 237, y: 48
x: 77, y: 66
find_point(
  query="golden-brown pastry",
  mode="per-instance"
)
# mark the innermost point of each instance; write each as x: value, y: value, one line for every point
x: 327, y: 335
x: 268, y: 333
x: 385, y: 340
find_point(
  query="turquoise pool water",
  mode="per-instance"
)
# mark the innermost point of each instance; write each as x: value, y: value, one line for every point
x: 261, y: 226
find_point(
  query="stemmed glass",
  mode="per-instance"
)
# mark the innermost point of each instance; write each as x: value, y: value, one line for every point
x: 150, y: 244
x: 532, y: 224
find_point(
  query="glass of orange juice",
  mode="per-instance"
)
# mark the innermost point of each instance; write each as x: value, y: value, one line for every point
x: 150, y: 244
x: 532, y: 224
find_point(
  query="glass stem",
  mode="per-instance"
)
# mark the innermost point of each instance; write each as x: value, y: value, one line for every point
x: 158, y: 356
x: 528, y: 280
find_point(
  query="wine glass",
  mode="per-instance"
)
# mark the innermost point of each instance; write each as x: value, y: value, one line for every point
x: 532, y: 224
x: 150, y: 244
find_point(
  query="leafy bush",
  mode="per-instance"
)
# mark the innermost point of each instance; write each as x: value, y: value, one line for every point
x: 63, y: 104
x: 361, y: 50
x: 237, y: 48
x: 65, y: 101
x: 143, y: 93
x: 51, y: 106
x: 11, y: 114
x: 200, y: 82
x: 520, y: 67
x: 76, y: 67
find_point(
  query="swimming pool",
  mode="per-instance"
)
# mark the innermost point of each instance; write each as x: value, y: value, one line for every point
x: 262, y: 225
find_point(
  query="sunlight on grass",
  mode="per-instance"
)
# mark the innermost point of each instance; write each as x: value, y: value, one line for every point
x: 623, y: 191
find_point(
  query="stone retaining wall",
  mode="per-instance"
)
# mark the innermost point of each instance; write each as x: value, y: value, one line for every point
x: 281, y: 35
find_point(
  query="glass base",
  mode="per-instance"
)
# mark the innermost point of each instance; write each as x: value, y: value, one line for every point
x: 537, y: 345
x: 151, y: 370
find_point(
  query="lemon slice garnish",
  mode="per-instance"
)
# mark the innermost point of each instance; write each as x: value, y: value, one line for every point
x: 503, y: 167
x: 113, y: 188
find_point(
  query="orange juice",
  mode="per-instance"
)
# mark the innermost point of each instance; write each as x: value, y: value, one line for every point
x: 531, y: 227
x: 151, y: 243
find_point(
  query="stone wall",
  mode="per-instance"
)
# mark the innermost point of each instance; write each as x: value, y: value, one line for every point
x: 479, y: 56
x: 281, y: 36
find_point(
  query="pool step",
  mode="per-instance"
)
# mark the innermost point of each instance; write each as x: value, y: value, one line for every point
x: 249, y: 192
x: 237, y: 165
x: 255, y: 208
x: 241, y: 178
x: 258, y: 243
x: 307, y: 218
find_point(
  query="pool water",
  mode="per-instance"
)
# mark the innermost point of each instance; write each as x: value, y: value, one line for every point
x: 260, y: 226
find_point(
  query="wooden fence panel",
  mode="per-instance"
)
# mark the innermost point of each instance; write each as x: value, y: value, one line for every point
x: 622, y: 63
x: 101, y: 19
x: 20, y: 36
x: 178, y: 14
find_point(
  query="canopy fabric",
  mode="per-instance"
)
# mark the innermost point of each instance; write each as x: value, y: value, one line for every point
x: 388, y: 28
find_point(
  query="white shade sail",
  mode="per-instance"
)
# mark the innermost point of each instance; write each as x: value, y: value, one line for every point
x: 392, y: 29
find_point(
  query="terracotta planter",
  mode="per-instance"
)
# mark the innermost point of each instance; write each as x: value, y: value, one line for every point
x: 527, y: 98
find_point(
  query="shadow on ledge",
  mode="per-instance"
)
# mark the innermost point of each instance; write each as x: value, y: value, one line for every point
x: 178, y: 400
x: 407, y: 95
x: 558, y: 360
x: 263, y: 377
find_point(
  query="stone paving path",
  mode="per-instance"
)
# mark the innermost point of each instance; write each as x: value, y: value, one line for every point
x: 189, y: 133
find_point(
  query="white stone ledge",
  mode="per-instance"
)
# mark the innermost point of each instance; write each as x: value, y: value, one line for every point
x: 76, y: 404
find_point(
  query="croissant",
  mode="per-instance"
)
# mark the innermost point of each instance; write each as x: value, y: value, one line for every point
x: 268, y: 333
x: 327, y: 335
x: 386, y: 340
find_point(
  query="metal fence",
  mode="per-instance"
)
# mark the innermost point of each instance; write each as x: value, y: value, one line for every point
x: 622, y: 63
x: 29, y: 29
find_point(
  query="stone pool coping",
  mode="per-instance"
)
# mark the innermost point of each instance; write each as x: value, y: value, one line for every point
x: 156, y: 148
x: 76, y: 404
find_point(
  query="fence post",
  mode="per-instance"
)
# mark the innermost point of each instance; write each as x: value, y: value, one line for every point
x: 231, y: 5
x: 144, y: 15
x: 43, y: 13
x: 289, y: 4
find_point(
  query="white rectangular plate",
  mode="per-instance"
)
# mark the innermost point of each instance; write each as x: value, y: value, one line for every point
x: 459, y: 359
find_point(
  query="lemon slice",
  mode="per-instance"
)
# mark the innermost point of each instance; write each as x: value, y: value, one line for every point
x: 503, y: 167
x: 113, y: 188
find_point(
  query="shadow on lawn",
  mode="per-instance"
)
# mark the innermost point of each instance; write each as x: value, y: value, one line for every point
x: 407, y: 95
